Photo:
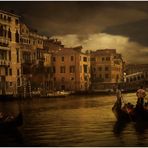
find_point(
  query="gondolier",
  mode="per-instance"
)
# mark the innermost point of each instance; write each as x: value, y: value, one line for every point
x: 128, y: 112
x: 119, y: 95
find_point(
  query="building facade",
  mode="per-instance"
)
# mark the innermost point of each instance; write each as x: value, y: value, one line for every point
x: 71, y: 69
x: 30, y: 61
x: 10, y: 64
x: 36, y: 60
x: 106, y: 68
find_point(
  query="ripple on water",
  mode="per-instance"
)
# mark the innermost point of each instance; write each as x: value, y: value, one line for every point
x: 74, y: 121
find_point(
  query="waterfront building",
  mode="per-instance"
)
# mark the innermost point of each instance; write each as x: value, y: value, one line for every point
x: 71, y: 69
x: 32, y: 61
x: 106, y: 68
x: 10, y: 64
x: 36, y: 60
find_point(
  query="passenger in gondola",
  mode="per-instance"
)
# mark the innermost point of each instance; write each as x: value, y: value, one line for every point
x: 141, y: 95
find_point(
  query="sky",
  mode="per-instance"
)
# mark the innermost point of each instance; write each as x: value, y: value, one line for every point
x: 122, y: 25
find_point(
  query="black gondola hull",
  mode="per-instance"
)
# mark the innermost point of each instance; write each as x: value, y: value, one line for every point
x: 13, y: 123
x: 137, y: 115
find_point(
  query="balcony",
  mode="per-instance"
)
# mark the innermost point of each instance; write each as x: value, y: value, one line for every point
x: 4, y: 43
x: 5, y: 21
x: 4, y: 63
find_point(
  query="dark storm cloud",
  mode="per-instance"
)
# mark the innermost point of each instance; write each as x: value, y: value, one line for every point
x: 95, y: 25
x: 77, y: 17
x: 137, y: 31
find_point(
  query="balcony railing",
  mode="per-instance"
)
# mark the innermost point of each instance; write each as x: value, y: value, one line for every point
x: 4, y: 63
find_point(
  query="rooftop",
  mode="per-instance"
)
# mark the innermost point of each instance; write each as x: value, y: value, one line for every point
x: 9, y: 12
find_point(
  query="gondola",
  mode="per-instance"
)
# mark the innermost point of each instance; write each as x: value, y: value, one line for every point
x: 127, y: 112
x: 9, y: 121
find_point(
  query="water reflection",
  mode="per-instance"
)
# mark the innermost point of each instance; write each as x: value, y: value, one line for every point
x: 119, y: 127
x: 73, y: 121
x: 11, y: 137
x: 141, y: 127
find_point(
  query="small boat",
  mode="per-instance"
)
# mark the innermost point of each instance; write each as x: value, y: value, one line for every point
x: 9, y: 121
x: 129, y: 113
x: 57, y: 94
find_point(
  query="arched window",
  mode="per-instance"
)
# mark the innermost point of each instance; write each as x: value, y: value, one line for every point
x: 9, y: 34
x: 17, y: 37
x: 1, y: 30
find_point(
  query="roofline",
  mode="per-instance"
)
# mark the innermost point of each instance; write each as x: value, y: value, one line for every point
x: 9, y: 13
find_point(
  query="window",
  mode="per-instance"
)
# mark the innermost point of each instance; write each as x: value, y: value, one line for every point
x: 6, y: 71
x: 9, y: 34
x: 16, y: 21
x: 10, y: 72
x: 72, y: 58
x: 93, y: 59
x: 62, y: 59
x: 100, y: 76
x: 100, y: 68
x: 103, y: 59
x: 17, y: 54
x: 9, y: 18
x: 62, y: 69
x: 10, y: 83
x: 54, y: 59
x: 4, y: 17
x: 5, y: 32
x: 72, y: 69
x: 85, y: 59
x: 17, y: 37
x: 18, y: 72
x: 106, y: 76
x: 1, y: 31
x: 72, y: 78
x: 85, y: 68
x: 107, y: 58
x: 106, y: 68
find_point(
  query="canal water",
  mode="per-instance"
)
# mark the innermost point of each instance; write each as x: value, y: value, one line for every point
x: 78, y: 121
